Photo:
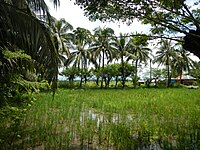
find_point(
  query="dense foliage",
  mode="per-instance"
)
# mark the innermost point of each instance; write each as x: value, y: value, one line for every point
x: 27, y: 45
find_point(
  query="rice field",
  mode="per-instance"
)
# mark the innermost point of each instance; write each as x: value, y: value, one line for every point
x: 130, y: 119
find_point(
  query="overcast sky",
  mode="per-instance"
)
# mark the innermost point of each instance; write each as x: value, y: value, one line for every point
x: 75, y: 16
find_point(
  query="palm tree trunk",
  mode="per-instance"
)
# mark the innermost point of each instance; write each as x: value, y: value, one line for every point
x: 97, y: 80
x: 181, y: 82
x: 108, y: 82
x: 150, y: 73
x: 135, y: 77
x: 85, y: 71
x: 123, y: 76
x: 102, y: 75
x: 81, y: 74
x: 168, y: 75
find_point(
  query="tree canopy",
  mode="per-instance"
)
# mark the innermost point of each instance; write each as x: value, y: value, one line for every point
x: 165, y: 16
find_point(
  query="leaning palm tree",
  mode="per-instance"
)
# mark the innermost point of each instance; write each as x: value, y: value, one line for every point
x: 165, y: 55
x: 139, y: 52
x: 61, y: 32
x: 102, y: 47
x: 22, y: 29
x: 80, y: 55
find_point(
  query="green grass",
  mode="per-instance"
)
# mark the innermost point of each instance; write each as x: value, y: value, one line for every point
x: 113, y: 119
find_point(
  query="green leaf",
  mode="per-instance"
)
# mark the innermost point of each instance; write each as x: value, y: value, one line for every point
x: 15, y: 55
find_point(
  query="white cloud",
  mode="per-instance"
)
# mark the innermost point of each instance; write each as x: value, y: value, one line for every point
x: 75, y: 16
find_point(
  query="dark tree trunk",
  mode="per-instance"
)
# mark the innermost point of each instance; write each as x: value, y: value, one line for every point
x: 168, y: 75
x: 81, y: 81
x: 192, y: 42
x: 85, y: 77
x: 108, y: 82
x: 123, y: 76
x: 181, y: 82
x: 150, y: 73
x: 105, y: 80
x: 97, y: 81
x: 135, y: 77
x: 102, y: 75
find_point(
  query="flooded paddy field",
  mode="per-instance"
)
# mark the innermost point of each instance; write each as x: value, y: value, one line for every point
x: 141, y: 119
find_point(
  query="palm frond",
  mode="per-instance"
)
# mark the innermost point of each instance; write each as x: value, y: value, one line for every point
x: 20, y: 28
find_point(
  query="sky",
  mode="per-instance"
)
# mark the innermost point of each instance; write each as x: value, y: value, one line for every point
x: 75, y: 16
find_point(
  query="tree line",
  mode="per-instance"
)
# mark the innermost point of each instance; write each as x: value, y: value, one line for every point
x: 103, y: 50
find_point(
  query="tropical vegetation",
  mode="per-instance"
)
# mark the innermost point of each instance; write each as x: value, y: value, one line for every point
x: 35, y: 48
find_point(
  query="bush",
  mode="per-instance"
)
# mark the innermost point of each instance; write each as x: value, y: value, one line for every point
x: 11, y: 117
x: 16, y: 96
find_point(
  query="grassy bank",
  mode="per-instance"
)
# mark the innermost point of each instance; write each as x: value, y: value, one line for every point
x: 113, y: 119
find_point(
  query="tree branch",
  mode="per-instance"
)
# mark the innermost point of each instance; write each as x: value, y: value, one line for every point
x: 196, y: 23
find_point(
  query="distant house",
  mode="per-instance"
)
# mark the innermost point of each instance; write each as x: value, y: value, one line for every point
x: 185, y: 79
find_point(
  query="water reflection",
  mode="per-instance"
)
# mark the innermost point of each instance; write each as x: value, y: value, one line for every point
x: 105, y: 118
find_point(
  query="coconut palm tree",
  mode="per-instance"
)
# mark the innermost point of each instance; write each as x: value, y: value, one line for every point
x: 182, y: 62
x: 195, y: 71
x: 139, y: 52
x: 165, y: 55
x: 122, y: 50
x: 61, y: 31
x: 80, y: 55
x: 102, y: 48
